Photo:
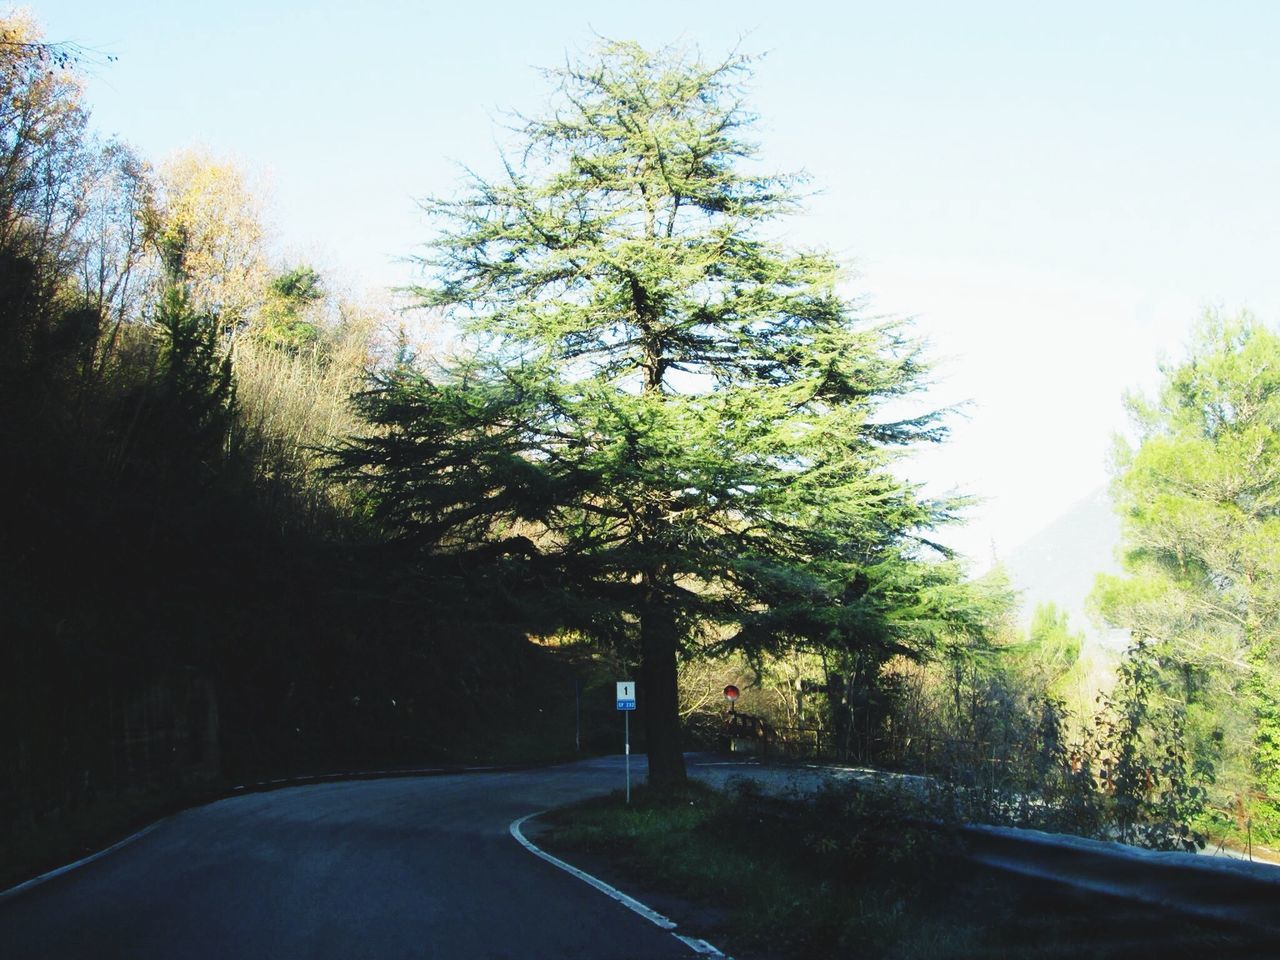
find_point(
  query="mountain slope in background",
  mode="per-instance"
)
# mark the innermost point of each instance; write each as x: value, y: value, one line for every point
x: 1058, y: 565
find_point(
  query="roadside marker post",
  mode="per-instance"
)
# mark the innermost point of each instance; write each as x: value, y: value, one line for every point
x: 627, y: 703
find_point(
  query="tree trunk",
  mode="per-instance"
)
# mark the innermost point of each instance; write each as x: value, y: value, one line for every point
x: 659, y: 636
x: 658, y: 687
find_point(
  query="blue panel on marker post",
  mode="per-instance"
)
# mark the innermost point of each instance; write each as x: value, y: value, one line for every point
x: 626, y: 695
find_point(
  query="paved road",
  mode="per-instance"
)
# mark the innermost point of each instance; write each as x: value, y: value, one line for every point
x: 418, y: 867
x: 425, y: 867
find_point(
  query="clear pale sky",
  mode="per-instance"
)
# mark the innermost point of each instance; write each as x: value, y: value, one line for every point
x: 1054, y: 192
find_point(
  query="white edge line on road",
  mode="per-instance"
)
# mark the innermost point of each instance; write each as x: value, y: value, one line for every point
x: 44, y: 877
x: 629, y: 902
x: 697, y: 946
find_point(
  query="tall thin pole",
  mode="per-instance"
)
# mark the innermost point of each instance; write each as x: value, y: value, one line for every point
x: 626, y: 724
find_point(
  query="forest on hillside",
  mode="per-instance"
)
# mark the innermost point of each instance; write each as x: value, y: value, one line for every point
x: 249, y: 527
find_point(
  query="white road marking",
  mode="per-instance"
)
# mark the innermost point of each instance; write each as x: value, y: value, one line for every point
x: 631, y: 903
x: 699, y: 946
x: 44, y: 877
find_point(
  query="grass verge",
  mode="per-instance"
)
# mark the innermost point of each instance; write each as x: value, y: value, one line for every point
x: 854, y: 873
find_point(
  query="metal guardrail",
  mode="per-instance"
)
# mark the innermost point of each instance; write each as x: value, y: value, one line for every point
x: 1216, y: 888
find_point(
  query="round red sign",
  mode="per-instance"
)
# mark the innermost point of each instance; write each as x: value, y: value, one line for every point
x: 731, y: 692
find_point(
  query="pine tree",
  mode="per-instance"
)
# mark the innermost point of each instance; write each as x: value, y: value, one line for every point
x: 670, y: 431
x: 1200, y: 501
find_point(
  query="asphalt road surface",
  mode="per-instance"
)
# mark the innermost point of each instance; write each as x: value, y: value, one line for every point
x: 419, y: 867
x: 425, y: 867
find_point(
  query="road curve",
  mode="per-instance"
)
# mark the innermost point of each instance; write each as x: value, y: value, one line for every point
x: 420, y: 867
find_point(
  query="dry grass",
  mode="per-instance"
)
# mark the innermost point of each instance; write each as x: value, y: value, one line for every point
x: 294, y: 404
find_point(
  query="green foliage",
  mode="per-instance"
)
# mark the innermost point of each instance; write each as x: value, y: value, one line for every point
x: 283, y: 320
x: 1151, y: 792
x: 671, y: 428
x: 1126, y: 776
x: 143, y: 557
x: 1052, y: 641
x: 197, y: 396
x: 845, y: 870
x: 851, y: 872
x: 955, y: 628
x: 986, y: 722
x: 182, y: 597
x: 1200, y: 498
x: 1049, y: 660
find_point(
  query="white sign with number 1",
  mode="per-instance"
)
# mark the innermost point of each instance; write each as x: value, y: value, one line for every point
x: 626, y: 695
